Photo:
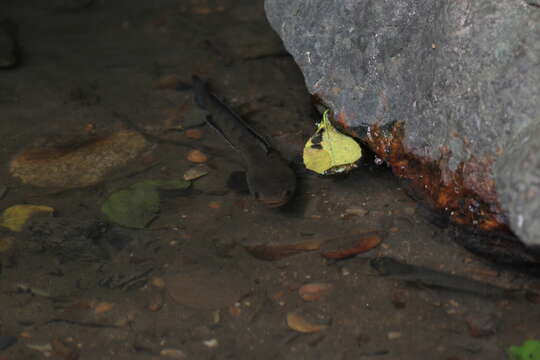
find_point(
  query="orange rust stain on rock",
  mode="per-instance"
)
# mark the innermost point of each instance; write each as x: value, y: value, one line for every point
x: 341, y: 118
x: 467, y: 196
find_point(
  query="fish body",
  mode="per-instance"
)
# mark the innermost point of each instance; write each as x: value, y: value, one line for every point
x: 270, y: 179
x: 388, y: 266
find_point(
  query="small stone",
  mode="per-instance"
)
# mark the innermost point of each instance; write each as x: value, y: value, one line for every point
x: 409, y: 211
x: 157, y: 282
x: 103, y: 307
x: 211, y: 343
x: 393, y: 335
x: 216, y: 316
x: 194, y: 134
x: 197, y: 156
x: 196, y: 172
x: 300, y: 323
x: 214, y: 204
x: 173, y: 354
x: 354, y: 211
x: 315, y: 291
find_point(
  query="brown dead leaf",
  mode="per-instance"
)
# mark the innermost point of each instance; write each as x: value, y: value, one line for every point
x: 157, y: 282
x: 103, y: 307
x: 299, y: 323
x: 365, y: 243
x: 315, y: 291
x: 194, y: 134
x: 273, y: 252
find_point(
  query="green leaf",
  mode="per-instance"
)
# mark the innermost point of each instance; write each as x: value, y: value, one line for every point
x: 530, y: 350
x: 133, y: 207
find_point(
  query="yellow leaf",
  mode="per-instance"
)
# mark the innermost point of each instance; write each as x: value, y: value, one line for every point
x: 14, y: 217
x: 328, y: 151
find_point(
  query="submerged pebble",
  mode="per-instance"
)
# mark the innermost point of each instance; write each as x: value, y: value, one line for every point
x: 299, y: 322
x: 173, y: 354
x: 197, y: 156
x: 194, y: 134
x: 315, y: 291
x: 196, y: 172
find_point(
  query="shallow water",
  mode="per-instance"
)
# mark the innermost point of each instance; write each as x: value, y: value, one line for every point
x: 105, y: 292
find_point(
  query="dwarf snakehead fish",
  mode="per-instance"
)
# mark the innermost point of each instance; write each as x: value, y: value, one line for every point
x: 270, y: 179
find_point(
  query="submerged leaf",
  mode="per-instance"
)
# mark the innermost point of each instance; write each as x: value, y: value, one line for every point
x: 530, y: 350
x: 364, y: 244
x: 328, y: 151
x: 14, y: 217
x: 133, y: 207
x: 315, y: 291
x: 78, y: 163
x: 299, y: 323
x: 136, y: 206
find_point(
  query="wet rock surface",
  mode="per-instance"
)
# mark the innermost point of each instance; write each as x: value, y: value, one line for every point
x: 73, y: 285
x: 460, y: 77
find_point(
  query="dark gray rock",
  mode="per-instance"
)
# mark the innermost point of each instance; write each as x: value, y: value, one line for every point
x: 462, y: 76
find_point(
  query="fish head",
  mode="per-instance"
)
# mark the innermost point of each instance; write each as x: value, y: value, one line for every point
x: 272, y: 182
